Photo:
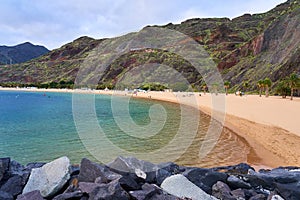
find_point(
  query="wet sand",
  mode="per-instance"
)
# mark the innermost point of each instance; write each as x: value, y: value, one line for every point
x: 270, y: 126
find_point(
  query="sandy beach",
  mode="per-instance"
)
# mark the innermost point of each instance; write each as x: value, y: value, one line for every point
x: 268, y: 125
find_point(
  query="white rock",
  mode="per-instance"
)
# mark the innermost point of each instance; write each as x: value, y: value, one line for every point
x: 294, y: 170
x: 50, y: 178
x: 140, y: 173
x: 277, y: 197
x: 178, y: 185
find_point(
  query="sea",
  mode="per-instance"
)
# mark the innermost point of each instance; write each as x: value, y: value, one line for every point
x: 42, y: 126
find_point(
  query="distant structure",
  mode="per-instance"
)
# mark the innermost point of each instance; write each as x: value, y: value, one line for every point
x: 146, y: 49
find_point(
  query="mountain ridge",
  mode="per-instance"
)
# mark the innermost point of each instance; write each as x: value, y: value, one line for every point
x: 245, y: 48
x: 20, y: 53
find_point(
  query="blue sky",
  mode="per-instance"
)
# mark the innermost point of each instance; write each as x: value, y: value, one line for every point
x: 53, y: 23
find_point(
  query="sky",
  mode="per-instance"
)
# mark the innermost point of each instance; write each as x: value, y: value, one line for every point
x: 53, y: 23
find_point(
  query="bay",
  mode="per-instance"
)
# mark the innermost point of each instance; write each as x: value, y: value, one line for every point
x: 38, y: 126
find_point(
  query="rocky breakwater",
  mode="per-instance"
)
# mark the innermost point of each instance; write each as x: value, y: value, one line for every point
x: 130, y: 178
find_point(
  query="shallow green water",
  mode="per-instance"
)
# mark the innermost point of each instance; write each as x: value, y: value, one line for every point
x: 41, y: 127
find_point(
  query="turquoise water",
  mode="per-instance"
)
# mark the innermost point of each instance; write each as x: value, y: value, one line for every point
x: 34, y: 127
x: 37, y: 126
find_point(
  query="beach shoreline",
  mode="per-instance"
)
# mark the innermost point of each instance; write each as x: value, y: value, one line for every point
x: 267, y: 124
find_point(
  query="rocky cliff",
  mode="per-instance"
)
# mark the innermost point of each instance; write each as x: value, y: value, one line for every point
x: 246, y: 48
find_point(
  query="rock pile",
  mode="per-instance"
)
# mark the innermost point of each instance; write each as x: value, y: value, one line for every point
x: 130, y: 178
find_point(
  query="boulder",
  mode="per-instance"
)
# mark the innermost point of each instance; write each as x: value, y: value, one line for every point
x: 110, y: 191
x: 33, y: 165
x: 5, y: 196
x: 195, y: 175
x: 249, y: 193
x: 261, y: 180
x: 221, y: 190
x: 33, y: 195
x: 205, y: 178
x: 161, y: 175
x: 50, y: 178
x: 258, y: 197
x: 210, y: 178
x: 14, y: 185
x: 270, y: 179
x: 87, y: 187
x: 131, y: 164
x: 147, y: 192
x: 141, y: 174
x: 289, y: 191
x: 235, y: 183
x: 241, y: 168
x: 128, y: 183
x: 282, y: 175
x: 178, y: 185
x: 166, y: 197
x: 170, y: 167
x: 274, y: 197
x: 4, y: 167
x: 89, y: 171
x: 165, y: 170
x: 69, y: 195
x: 238, y: 194
x: 16, y: 168
x: 138, y: 169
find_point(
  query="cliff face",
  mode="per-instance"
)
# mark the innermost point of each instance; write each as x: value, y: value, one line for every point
x: 249, y: 47
x: 274, y: 53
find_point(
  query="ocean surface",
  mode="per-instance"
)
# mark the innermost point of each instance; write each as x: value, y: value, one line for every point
x: 38, y: 126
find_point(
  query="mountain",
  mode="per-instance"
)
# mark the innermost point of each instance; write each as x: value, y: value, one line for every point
x: 246, y: 48
x: 20, y: 53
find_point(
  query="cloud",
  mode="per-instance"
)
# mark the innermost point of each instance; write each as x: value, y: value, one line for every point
x: 53, y: 22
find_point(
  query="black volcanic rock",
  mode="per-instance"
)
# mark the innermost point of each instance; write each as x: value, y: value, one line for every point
x: 164, y: 170
x: 125, y: 179
x: 16, y: 168
x: 236, y: 182
x: 241, y: 168
x: 87, y: 187
x: 139, y: 170
x: 238, y: 194
x: 90, y: 171
x: 128, y: 183
x: 14, y: 185
x: 33, y: 165
x: 34, y: 195
x: 221, y: 190
x: 20, y: 53
x: 289, y: 191
x: 110, y: 191
x: 5, y: 196
x: 4, y: 167
x: 258, y: 197
x: 70, y: 195
x: 205, y: 178
x: 147, y: 192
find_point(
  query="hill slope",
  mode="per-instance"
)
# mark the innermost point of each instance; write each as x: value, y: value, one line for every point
x: 20, y: 53
x: 250, y: 47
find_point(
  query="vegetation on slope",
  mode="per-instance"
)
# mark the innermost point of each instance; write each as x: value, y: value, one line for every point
x: 248, y: 48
